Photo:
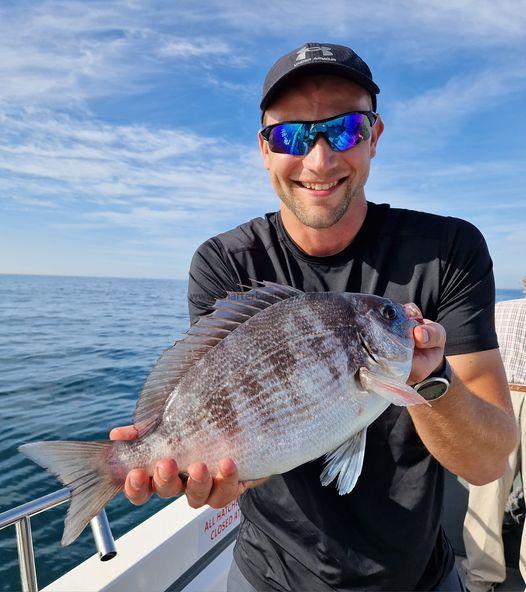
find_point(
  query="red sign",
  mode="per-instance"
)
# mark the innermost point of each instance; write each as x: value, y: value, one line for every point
x: 217, y: 523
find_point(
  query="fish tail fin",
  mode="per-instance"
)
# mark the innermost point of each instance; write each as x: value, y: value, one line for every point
x: 84, y: 468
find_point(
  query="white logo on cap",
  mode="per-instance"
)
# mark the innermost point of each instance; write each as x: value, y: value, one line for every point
x: 325, y: 52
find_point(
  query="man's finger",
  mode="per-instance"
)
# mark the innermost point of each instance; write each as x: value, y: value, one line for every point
x: 226, y: 484
x: 198, y: 485
x: 137, y: 486
x: 429, y: 335
x: 123, y: 433
x: 166, y: 479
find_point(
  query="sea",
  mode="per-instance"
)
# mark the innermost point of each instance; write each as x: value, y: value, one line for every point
x: 74, y: 352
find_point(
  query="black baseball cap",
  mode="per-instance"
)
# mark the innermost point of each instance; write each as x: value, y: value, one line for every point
x: 318, y: 58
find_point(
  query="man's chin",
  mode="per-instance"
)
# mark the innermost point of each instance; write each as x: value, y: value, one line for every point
x: 319, y: 218
x: 319, y: 222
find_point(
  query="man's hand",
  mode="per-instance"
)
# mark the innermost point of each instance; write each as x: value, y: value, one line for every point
x: 200, y: 487
x: 428, y: 355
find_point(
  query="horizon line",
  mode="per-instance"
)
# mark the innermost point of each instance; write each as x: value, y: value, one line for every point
x: 115, y: 277
x: 105, y: 277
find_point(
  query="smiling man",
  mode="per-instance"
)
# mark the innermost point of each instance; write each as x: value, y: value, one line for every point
x: 320, y: 132
x: 322, y: 193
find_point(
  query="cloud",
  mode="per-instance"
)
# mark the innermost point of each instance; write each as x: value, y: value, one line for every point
x: 61, y: 52
x: 446, y: 187
x: 66, y: 53
x: 33, y: 202
x: 134, y: 176
x: 250, y: 91
x: 182, y: 48
x: 215, y: 51
x: 420, y: 28
x: 475, y: 104
x: 462, y: 95
x: 476, y: 20
x: 141, y: 217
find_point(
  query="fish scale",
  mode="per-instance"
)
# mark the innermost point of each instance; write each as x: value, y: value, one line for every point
x: 273, y: 378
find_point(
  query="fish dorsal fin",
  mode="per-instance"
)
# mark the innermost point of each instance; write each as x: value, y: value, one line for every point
x: 346, y: 462
x: 229, y: 313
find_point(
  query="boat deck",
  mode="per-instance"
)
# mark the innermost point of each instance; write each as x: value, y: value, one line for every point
x: 455, y: 504
x: 513, y: 583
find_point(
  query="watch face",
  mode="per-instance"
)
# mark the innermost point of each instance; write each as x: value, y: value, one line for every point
x: 436, y: 387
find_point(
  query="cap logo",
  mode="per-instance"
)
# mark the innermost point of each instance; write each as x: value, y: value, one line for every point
x: 314, y: 54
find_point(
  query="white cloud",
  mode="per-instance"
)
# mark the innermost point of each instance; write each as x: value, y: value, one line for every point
x: 185, y: 48
x: 33, y: 202
x: 251, y: 91
x: 443, y: 106
x: 141, y: 217
x: 474, y: 19
x: 477, y: 104
x: 134, y: 176
x: 68, y: 52
x: 421, y: 28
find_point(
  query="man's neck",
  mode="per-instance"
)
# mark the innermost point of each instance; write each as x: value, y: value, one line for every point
x: 323, y: 242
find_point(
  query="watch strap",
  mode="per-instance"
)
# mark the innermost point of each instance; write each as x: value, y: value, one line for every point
x: 443, y: 371
x: 436, y: 384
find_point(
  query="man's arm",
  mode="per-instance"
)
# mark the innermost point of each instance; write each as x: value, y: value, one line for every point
x: 471, y: 430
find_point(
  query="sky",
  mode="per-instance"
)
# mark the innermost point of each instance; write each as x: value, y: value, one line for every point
x: 129, y: 128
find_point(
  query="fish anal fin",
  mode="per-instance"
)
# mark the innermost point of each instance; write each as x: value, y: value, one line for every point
x: 345, y: 462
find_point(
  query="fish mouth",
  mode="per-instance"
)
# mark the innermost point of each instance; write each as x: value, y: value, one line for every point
x: 413, y: 313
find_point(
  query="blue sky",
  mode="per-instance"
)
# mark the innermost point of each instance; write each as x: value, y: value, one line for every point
x: 129, y: 127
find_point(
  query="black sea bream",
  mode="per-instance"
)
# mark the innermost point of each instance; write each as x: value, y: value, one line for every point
x: 273, y: 378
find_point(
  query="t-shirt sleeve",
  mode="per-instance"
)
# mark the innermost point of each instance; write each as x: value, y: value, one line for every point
x: 467, y: 298
x: 210, y: 277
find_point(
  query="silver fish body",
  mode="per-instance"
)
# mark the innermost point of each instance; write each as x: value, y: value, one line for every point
x: 272, y: 379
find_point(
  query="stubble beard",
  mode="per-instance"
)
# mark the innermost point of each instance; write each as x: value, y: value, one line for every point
x: 317, y: 217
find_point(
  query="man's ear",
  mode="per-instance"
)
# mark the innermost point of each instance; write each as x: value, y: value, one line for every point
x: 376, y: 132
x: 264, y: 149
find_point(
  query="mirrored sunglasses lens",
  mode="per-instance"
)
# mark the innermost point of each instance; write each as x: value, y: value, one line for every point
x: 288, y: 138
x: 345, y: 132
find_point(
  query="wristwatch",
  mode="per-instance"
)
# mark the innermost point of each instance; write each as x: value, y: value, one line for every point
x: 436, y: 384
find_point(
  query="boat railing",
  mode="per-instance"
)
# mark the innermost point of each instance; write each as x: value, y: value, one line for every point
x: 21, y: 518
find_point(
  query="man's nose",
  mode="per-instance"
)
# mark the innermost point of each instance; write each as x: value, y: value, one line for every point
x: 320, y: 157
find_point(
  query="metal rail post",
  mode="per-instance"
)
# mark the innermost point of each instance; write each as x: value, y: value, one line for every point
x: 21, y: 518
x: 103, y: 537
x: 26, y: 555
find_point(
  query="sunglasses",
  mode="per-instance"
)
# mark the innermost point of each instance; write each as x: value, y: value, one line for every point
x: 341, y: 132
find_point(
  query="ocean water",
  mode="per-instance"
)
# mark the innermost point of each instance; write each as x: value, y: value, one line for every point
x: 73, y: 355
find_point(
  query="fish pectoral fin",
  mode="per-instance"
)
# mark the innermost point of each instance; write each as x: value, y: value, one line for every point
x: 395, y: 392
x: 345, y: 462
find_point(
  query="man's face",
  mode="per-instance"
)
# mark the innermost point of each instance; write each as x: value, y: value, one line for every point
x: 293, y: 177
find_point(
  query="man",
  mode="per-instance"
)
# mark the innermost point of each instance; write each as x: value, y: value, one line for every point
x: 385, y: 534
x: 485, y: 562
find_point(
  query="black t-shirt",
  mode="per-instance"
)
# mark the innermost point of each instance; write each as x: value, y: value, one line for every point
x: 385, y: 534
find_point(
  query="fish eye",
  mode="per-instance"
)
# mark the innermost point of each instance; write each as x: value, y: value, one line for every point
x: 389, y: 312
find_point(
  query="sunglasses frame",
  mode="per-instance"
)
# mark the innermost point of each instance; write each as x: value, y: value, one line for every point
x: 372, y: 116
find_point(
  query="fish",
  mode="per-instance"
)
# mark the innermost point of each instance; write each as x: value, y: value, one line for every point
x: 273, y: 378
